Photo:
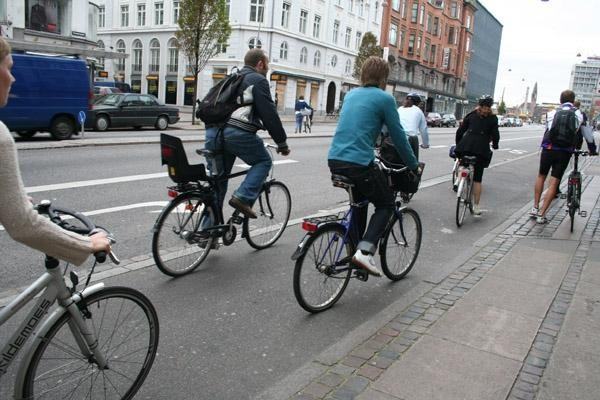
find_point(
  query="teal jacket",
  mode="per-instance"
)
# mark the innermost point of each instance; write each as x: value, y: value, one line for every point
x: 365, y: 111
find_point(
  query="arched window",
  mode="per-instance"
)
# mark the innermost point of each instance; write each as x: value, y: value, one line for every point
x: 283, y: 51
x: 317, y: 60
x: 333, y: 60
x: 121, y: 61
x: 173, y: 65
x: 254, y: 42
x: 303, y: 56
x: 348, y: 68
x: 137, y: 56
x: 154, y: 55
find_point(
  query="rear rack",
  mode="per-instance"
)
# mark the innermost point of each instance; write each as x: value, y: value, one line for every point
x: 326, y: 218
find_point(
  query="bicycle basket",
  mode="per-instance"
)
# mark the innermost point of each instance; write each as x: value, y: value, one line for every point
x: 405, y: 182
x: 173, y: 155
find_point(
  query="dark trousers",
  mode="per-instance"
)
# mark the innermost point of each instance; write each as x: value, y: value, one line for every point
x: 414, y: 144
x: 370, y: 184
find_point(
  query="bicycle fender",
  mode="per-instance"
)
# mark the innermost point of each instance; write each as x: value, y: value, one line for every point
x: 461, y: 184
x: 41, y: 333
x: 300, y: 249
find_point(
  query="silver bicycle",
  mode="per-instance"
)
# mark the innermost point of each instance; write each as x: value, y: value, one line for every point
x: 98, y: 342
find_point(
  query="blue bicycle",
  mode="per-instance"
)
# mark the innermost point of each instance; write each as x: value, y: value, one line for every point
x: 324, y: 256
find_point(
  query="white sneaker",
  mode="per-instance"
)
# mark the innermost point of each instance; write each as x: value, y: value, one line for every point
x: 366, y: 262
x: 476, y: 209
x: 534, y: 212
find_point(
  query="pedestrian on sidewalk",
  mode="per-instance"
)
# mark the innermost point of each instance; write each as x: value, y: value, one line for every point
x: 366, y: 110
x: 414, y: 123
x: 560, y: 139
x: 473, y: 137
x: 299, y: 108
x: 586, y: 130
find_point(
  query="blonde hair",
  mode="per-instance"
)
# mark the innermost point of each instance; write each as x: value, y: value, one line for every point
x: 4, y: 49
x: 374, y: 72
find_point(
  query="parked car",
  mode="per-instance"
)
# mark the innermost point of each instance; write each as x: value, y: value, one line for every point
x: 434, y: 119
x: 449, y: 120
x: 122, y: 86
x: 104, y: 90
x: 48, y: 95
x: 518, y: 122
x: 510, y: 121
x: 131, y: 109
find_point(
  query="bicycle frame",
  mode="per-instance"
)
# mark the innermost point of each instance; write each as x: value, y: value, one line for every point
x: 461, y: 179
x: 55, y: 289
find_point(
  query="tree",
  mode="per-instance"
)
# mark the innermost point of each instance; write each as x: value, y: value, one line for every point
x: 203, y: 30
x: 368, y: 48
x: 502, y: 108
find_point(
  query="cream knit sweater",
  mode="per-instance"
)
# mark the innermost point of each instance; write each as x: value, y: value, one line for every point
x: 22, y: 222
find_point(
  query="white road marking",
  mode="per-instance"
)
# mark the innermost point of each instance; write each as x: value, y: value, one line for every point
x: 278, y: 162
x: 94, y: 182
x: 439, y: 146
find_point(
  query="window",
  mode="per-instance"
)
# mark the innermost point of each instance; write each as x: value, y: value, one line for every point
x: 433, y: 53
x: 376, y: 12
x: 468, y: 24
x: 336, y: 31
x: 173, y: 66
x: 283, y: 51
x: 121, y: 61
x: 227, y: 7
x: 333, y: 60
x: 419, y: 39
x: 254, y: 42
x: 351, y: 5
x: 358, y: 39
x: 426, y: 51
x: 317, y: 60
x: 453, y: 10
x: 257, y: 10
x: 411, y: 43
x: 436, y: 23
x: 303, y: 18
x: 422, y: 14
x: 401, y: 41
x: 125, y: 15
x: 348, y: 37
x: 403, y: 8
x: 451, y: 35
x: 285, y: 15
x: 468, y: 44
x: 303, y: 56
x: 317, y: 26
x: 415, y: 13
x: 429, y: 23
x: 154, y: 55
x: 141, y: 14
x: 159, y: 13
x: 175, y: 12
x: 348, y: 69
x: 361, y: 7
x: 101, y: 17
x: 137, y: 56
x: 101, y: 60
x: 396, y: 5
x: 393, y: 38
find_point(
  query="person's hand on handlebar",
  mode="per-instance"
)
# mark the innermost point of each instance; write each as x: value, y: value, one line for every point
x: 100, y: 242
x: 284, y: 150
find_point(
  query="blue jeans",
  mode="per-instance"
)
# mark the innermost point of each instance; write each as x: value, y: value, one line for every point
x: 299, y: 118
x: 235, y: 142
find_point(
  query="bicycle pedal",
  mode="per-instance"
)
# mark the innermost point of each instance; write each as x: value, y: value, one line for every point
x: 361, y: 275
x: 237, y: 219
x: 583, y: 214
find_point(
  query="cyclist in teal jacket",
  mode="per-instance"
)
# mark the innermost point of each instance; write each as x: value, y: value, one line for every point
x: 365, y: 111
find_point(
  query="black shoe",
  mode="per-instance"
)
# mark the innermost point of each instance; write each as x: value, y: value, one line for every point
x: 242, y: 207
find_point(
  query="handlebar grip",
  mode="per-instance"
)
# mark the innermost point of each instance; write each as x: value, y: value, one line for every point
x: 100, y: 256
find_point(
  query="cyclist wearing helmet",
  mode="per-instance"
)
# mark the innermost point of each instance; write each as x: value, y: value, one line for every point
x: 473, y: 137
x: 413, y: 121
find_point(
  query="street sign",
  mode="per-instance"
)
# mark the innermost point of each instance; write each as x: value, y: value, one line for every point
x: 81, y: 117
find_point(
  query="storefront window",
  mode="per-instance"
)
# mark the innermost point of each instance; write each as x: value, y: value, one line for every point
x: 46, y: 15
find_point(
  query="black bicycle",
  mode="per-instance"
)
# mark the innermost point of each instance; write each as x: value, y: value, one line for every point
x: 192, y: 223
x: 574, y: 189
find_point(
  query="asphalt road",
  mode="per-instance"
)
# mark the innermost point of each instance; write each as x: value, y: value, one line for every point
x: 233, y: 329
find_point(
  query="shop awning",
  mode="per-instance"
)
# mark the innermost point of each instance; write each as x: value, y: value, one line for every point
x: 298, y: 76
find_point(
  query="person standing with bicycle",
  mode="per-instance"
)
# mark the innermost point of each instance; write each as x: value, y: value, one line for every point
x: 473, y: 137
x: 366, y: 110
x: 299, y: 109
x: 414, y: 123
x: 17, y: 214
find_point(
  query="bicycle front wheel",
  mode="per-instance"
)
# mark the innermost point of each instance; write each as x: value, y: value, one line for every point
x: 177, y: 247
x: 273, y: 208
x: 318, y: 281
x: 126, y: 326
x: 400, y: 244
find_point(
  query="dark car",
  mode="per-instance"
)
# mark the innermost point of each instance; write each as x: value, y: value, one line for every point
x: 131, y: 109
x: 449, y: 120
x: 434, y: 119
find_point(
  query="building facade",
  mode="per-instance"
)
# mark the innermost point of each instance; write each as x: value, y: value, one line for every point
x: 428, y: 43
x: 584, y: 81
x: 311, y: 44
x: 485, y: 52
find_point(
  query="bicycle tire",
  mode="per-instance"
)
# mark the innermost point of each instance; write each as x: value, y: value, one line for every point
x: 461, y: 204
x: 307, y: 268
x: 173, y: 254
x: 470, y: 194
x: 399, y: 231
x: 78, y: 377
x: 273, y: 206
x: 455, y: 177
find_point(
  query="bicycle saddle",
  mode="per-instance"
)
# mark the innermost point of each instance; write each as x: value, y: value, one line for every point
x: 469, y: 159
x: 341, y: 181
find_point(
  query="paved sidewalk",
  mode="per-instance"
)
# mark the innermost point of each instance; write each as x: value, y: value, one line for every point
x: 518, y: 320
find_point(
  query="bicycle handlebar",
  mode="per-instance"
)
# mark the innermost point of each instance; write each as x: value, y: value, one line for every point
x: 55, y: 215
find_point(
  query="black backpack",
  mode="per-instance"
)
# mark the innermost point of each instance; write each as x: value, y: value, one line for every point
x: 221, y: 100
x: 563, y: 132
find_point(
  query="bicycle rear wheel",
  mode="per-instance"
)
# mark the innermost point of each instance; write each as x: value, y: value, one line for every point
x: 400, y: 244
x: 273, y: 207
x: 175, y: 251
x: 317, y: 283
x: 462, y: 201
x: 125, y: 324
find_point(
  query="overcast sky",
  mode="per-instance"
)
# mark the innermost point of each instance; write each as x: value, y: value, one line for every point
x: 540, y: 42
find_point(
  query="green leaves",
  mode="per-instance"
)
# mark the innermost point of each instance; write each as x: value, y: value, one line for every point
x: 368, y: 48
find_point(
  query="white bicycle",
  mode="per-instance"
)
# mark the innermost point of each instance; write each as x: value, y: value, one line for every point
x: 98, y: 342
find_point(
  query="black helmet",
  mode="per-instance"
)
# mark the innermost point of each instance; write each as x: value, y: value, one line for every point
x: 486, y: 100
x: 414, y: 97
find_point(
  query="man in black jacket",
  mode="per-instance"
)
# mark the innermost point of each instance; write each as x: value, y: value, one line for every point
x: 473, y: 138
x: 239, y: 139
